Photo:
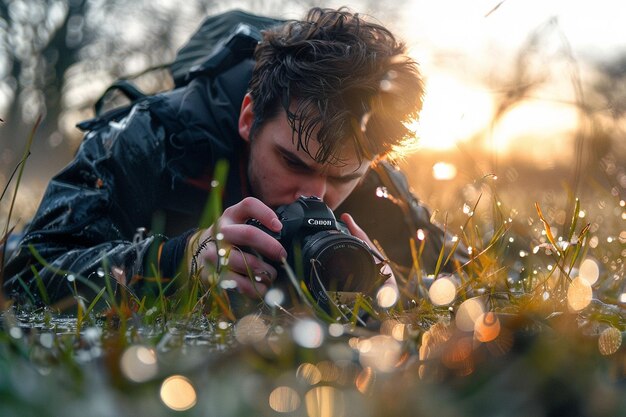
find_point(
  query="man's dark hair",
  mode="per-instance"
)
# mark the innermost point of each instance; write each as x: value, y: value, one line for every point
x: 342, y: 74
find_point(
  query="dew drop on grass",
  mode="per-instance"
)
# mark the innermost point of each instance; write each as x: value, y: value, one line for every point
x: 228, y: 284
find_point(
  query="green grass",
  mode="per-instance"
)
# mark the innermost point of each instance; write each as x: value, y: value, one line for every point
x: 519, y: 335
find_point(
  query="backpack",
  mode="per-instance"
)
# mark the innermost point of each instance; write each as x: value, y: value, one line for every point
x: 220, y: 42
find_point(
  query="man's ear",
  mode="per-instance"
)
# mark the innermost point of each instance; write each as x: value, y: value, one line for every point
x: 246, y: 118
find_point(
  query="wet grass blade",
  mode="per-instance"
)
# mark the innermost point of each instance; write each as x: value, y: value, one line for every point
x: 547, y: 228
x: 29, y: 143
x: 40, y: 285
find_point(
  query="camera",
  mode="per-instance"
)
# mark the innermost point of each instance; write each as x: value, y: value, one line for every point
x: 322, y: 252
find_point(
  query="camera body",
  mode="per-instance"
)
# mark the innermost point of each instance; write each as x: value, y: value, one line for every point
x: 322, y: 252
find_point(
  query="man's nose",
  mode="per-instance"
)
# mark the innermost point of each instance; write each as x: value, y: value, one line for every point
x: 314, y: 187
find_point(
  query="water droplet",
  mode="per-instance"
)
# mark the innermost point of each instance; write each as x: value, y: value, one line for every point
x: 228, y: 284
x: 71, y: 278
x: 100, y: 272
x: 382, y: 192
x: 215, y: 183
x: 219, y: 236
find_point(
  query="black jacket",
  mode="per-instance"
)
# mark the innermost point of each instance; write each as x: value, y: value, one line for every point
x: 150, y: 167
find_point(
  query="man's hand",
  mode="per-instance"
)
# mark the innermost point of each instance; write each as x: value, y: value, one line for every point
x: 251, y: 275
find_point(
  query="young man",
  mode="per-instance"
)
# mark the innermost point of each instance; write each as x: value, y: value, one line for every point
x: 323, y: 100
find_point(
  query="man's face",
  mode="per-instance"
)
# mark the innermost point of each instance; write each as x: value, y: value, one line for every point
x: 279, y: 173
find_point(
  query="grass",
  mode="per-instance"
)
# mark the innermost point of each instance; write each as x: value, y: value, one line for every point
x: 526, y: 326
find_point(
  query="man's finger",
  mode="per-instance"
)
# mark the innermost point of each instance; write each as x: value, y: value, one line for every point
x: 252, y: 208
x: 245, y: 235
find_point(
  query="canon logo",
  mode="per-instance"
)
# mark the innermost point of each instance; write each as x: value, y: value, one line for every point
x: 318, y: 222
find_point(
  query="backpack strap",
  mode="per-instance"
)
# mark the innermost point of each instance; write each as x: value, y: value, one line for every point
x: 125, y: 87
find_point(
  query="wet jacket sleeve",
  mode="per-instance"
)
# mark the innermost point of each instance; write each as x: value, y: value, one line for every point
x: 86, y: 224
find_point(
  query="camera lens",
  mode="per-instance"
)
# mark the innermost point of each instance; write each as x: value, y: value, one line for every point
x: 334, y: 261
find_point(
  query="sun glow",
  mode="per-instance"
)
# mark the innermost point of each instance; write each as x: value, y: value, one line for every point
x: 453, y: 112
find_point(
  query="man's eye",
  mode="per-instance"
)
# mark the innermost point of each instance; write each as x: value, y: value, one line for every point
x: 293, y: 164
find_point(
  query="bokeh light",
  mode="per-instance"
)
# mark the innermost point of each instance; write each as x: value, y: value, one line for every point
x: 487, y: 327
x: 308, y: 333
x: 250, y: 329
x: 309, y: 373
x: 579, y: 294
x: 284, y: 400
x: 467, y: 314
x: 329, y: 371
x: 589, y: 271
x: 457, y: 354
x: 387, y: 296
x: 442, y: 291
x: 177, y: 393
x: 274, y: 297
x: 444, y: 171
x: 365, y: 380
x: 380, y: 352
x: 609, y: 341
x: 139, y: 363
x: 324, y: 401
x: 335, y: 329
